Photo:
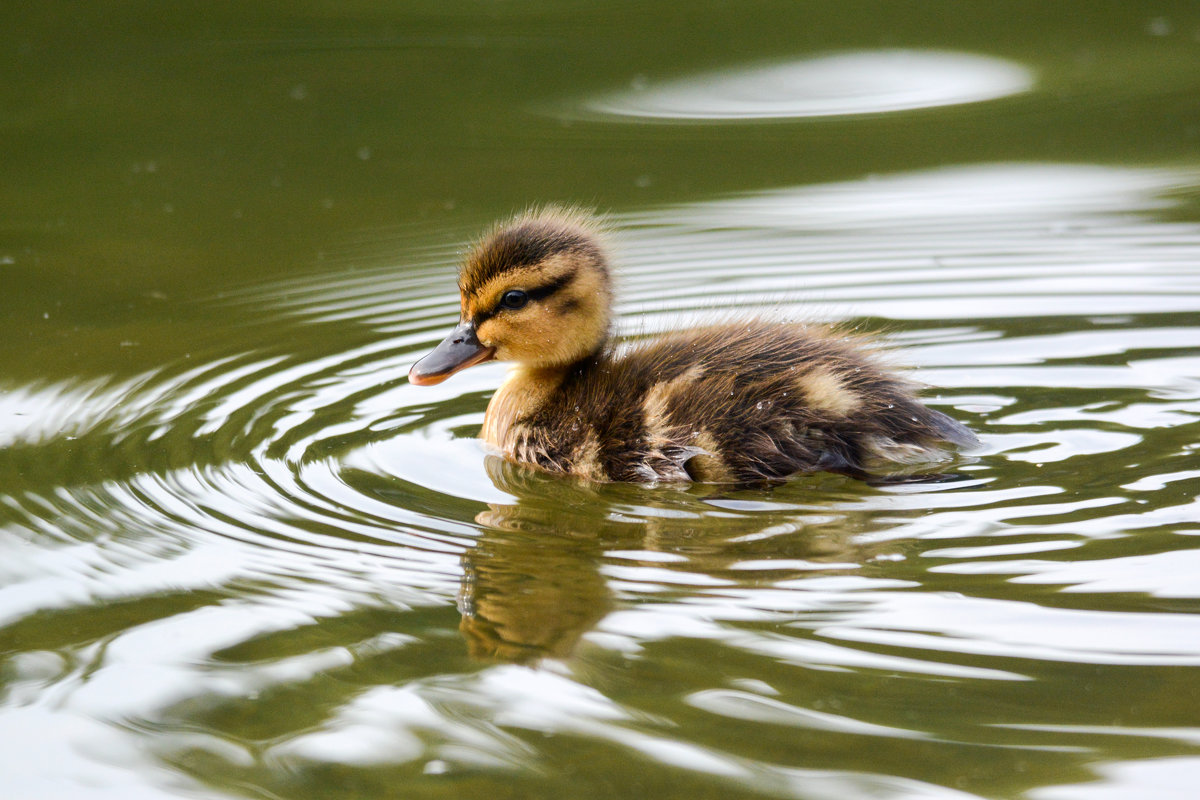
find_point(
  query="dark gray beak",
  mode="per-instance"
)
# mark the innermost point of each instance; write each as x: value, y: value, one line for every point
x: 459, y: 350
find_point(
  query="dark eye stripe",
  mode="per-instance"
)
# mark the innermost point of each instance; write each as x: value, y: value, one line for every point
x: 542, y: 292
x: 535, y: 294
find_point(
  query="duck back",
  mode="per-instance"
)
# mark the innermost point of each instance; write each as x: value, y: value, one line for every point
x: 741, y: 402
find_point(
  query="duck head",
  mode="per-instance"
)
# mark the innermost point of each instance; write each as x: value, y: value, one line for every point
x: 535, y: 291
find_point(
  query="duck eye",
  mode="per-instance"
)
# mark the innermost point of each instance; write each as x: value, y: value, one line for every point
x: 514, y: 298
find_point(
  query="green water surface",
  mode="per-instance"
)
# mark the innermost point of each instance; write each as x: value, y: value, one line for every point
x: 241, y: 557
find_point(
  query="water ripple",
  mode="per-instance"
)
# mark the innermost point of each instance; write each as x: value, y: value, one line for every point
x: 866, y: 82
x: 287, y: 518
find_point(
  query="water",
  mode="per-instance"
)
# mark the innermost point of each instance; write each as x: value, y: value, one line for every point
x: 242, y: 557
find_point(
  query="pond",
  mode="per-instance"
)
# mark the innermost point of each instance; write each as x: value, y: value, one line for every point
x: 241, y: 557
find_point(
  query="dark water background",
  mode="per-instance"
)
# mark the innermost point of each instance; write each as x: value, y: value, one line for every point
x: 241, y: 557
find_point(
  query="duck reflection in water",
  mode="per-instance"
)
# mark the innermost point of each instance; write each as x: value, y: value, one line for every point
x: 532, y: 585
x: 537, y: 580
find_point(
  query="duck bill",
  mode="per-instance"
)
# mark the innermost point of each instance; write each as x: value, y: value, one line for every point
x: 459, y: 350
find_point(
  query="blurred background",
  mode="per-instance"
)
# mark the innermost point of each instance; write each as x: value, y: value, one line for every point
x: 153, y: 155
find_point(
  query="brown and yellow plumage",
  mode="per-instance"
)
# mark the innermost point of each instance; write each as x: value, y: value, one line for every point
x: 738, y: 402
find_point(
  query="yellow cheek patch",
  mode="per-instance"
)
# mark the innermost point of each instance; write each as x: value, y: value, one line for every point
x: 491, y: 332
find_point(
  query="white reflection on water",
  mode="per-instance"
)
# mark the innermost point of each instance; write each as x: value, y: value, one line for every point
x: 968, y: 242
x: 1171, y: 574
x: 30, y: 414
x: 968, y: 625
x: 867, y: 82
x: 77, y: 757
x: 389, y: 725
x: 1158, y: 778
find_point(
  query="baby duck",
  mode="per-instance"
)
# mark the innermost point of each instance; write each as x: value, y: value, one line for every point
x: 739, y: 402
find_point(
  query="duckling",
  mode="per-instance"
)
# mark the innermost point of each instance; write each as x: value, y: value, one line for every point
x: 738, y: 402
